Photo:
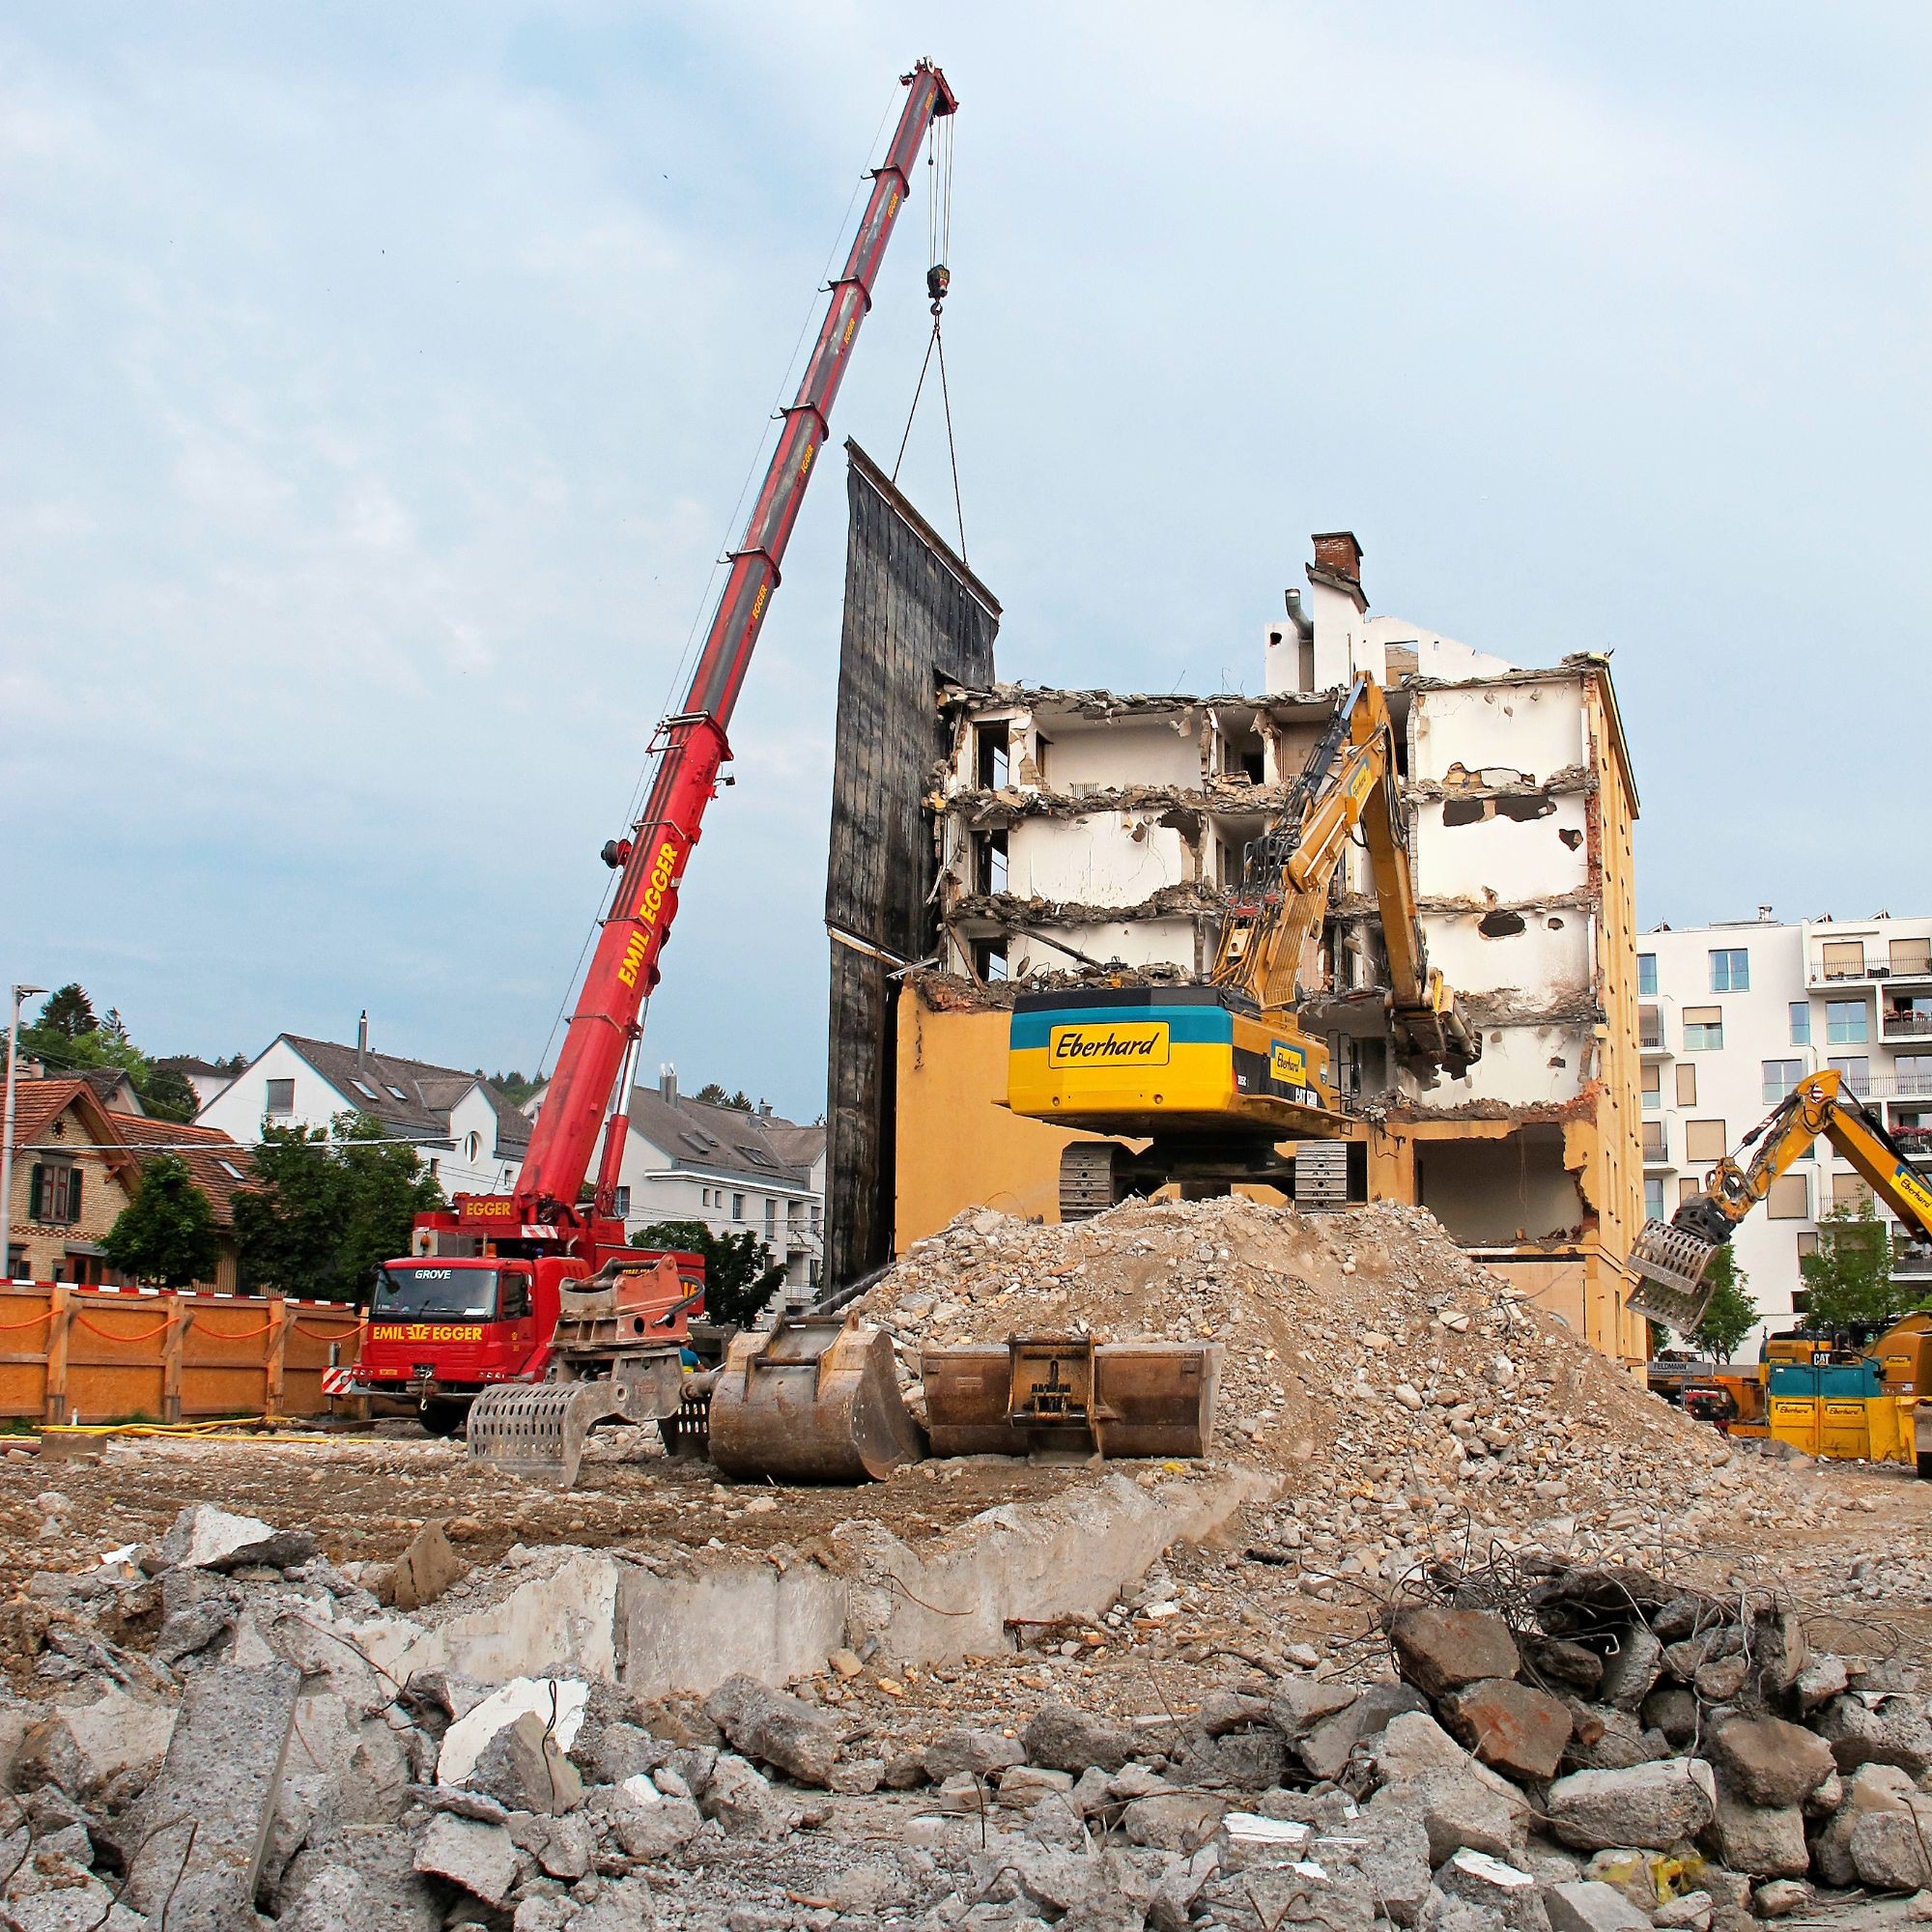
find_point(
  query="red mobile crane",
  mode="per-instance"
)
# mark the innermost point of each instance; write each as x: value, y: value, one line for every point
x: 505, y: 1288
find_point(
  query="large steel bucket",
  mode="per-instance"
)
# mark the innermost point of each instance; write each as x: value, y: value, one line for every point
x: 1670, y: 1262
x: 1042, y: 1394
x: 812, y: 1402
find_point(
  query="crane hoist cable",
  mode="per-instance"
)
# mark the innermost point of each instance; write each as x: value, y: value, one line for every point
x: 938, y: 285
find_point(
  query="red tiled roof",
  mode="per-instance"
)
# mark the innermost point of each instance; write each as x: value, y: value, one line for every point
x: 38, y: 1103
x: 221, y: 1167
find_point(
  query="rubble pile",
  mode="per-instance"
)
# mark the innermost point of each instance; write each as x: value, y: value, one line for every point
x: 220, y: 1730
x: 1405, y: 1394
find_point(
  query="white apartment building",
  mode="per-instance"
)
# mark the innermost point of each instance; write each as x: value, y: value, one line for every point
x: 1732, y: 1016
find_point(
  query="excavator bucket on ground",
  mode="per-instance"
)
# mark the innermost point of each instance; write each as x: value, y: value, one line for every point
x: 1044, y: 1394
x: 812, y: 1402
x: 538, y: 1434
x: 1672, y: 1261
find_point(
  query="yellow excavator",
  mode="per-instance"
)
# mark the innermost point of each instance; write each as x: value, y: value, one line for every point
x: 1213, y: 1077
x: 1672, y: 1257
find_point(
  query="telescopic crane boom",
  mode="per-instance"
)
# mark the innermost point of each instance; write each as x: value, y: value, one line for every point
x: 1672, y: 1257
x: 691, y: 746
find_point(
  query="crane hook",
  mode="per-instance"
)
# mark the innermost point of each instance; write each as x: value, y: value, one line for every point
x: 938, y: 281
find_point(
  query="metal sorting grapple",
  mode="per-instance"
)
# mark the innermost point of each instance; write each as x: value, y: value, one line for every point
x: 539, y: 1433
x: 1670, y: 1262
x: 812, y: 1402
x: 1070, y: 1393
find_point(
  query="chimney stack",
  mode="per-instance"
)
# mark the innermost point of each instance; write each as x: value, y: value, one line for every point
x: 1764, y: 913
x: 668, y: 1085
x: 362, y: 1042
x: 1339, y: 554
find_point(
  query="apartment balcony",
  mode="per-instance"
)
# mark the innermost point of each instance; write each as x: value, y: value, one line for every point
x: 1905, y: 1027
x: 1916, y: 1144
x: 1911, y: 1264
x: 1655, y: 1148
x: 1653, y: 1029
x: 1910, y: 1086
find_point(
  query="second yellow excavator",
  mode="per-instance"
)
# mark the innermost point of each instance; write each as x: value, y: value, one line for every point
x: 1672, y: 1257
x: 1214, y: 1076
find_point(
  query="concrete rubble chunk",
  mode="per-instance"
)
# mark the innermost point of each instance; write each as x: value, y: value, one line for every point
x: 1672, y: 1713
x: 1390, y: 1847
x: 1823, y: 1678
x: 1299, y: 1703
x: 1412, y: 1743
x: 647, y: 1824
x: 366, y: 1880
x: 1872, y: 1787
x: 1630, y: 1671
x: 558, y: 1702
x: 84, y: 1748
x: 1603, y: 1738
x: 1173, y: 1821
x: 1493, y: 1885
x: 1888, y: 1850
x: 524, y: 1768
x: 1513, y: 1727
x: 1178, y: 1889
x: 427, y: 1567
x: 1688, y: 1912
x: 982, y: 1753
x: 480, y: 1859
x: 1769, y: 1761
x: 1781, y: 1897
x: 1456, y: 1809
x: 1023, y: 1785
x: 1441, y: 1650
x: 778, y: 1730
x: 1586, y: 1905
x: 1237, y: 1761
x: 1647, y: 1805
x: 1063, y: 1738
x: 206, y: 1816
x: 1866, y: 1727
x: 1326, y: 1749
x: 1223, y: 1711
x: 206, y: 1538
x: 1298, y: 1893
x: 744, y: 1803
x: 1631, y: 1870
x: 1763, y: 1840
x: 1250, y: 1840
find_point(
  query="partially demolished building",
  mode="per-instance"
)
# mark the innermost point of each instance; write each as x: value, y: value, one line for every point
x: 1091, y: 834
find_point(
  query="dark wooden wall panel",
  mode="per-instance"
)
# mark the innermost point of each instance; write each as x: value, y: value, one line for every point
x: 914, y: 615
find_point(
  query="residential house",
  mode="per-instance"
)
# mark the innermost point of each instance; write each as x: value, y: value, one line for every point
x: 77, y: 1165
x: 203, y: 1075
x: 691, y: 1160
x: 471, y: 1137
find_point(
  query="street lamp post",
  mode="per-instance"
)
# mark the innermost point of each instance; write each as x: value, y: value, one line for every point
x: 20, y: 994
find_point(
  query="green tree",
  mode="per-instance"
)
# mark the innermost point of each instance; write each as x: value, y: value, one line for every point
x: 67, y: 1012
x: 515, y: 1087
x: 738, y: 1279
x: 714, y: 1095
x: 167, y: 1094
x: 1848, y: 1281
x: 327, y: 1205
x: 166, y: 1233
x: 1731, y: 1313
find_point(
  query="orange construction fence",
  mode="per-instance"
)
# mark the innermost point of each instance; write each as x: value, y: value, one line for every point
x: 102, y: 1355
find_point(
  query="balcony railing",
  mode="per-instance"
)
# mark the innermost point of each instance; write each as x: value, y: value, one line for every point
x: 1913, y: 1265
x: 1908, y: 1026
x: 1908, y: 1086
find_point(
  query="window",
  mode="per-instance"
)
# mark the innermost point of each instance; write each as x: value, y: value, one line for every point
x: 1653, y: 1141
x: 620, y: 1202
x: 1653, y: 1088
x: 989, y: 960
x: 1730, y: 970
x: 737, y: 1207
x: 1646, y: 976
x: 1780, y: 1077
x: 1789, y: 1199
x: 1856, y: 1069
x: 1845, y: 959
x: 473, y: 1146
x: 1704, y: 1140
x: 1914, y: 1071
x: 989, y: 861
x: 1911, y: 955
x: 771, y: 1217
x: 1041, y: 747
x: 1703, y: 1029
x: 1801, y: 1022
x: 1807, y: 1243
x: 396, y: 1091
x: 1649, y: 1027
x: 1849, y: 1190
x: 281, y: 1097
x: 1689, y: 1188
x: 363, y: 1088
x: 1653, y: 1197
x: 53, y: 1192
x: 1846, y: 1023
x: 990, y: 747
x: 1686, y: 1084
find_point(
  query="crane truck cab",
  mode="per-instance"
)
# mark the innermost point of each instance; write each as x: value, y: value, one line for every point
x: 467, y: 1310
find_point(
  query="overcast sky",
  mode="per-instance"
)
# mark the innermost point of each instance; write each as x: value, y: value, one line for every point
x: 379, y: 382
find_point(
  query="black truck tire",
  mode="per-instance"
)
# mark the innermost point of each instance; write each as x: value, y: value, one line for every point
x: 444, y: 1418
x: 1925, y: 1467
